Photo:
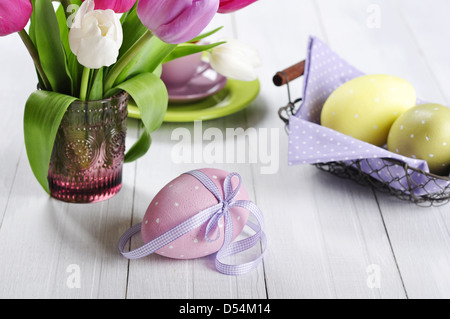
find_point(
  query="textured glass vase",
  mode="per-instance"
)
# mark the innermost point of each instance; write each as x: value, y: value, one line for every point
x: 88, y: 154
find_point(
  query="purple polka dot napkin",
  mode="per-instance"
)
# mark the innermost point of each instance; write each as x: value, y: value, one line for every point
x: 311, y: 143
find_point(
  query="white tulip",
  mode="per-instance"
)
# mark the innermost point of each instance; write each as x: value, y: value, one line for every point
x: 95, y: 36
x: 235, y: 59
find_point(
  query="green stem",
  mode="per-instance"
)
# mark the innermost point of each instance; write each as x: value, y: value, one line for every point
x: 125, y: 59
x: 84, y: 84
x: 92, y: 77
x: 35, y: 56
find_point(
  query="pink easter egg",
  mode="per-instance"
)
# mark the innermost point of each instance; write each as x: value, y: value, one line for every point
x: 180, y: 200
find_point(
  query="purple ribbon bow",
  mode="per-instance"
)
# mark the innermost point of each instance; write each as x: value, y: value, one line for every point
x: 212, y: 216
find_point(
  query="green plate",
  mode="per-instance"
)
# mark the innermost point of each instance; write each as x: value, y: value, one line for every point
x: 236, y: 96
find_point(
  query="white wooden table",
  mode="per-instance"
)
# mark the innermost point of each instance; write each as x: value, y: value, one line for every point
x: 328, y: 238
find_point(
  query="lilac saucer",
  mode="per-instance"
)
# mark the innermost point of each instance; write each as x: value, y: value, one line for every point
x: 203, y: 84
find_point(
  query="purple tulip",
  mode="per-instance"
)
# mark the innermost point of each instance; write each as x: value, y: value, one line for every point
x: 118, y: 6
x: 14, y: 15
x: 228, y: 6
x: 177, y: 21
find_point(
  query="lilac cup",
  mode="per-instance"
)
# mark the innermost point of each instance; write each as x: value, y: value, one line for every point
x: 178, y: 72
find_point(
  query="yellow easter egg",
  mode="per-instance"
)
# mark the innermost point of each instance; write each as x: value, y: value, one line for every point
x: 366, y: 107
x: 423, y: 132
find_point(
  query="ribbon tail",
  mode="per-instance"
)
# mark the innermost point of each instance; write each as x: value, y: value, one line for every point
x: 243, y: 245
x: 136, y: 229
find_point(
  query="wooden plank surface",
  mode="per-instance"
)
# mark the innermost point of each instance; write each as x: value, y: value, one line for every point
x: 328, y: 238
x: 419, y: 241
x: 329, y: 232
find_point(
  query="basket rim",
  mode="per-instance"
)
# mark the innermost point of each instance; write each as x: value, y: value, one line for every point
x: 427, y: 200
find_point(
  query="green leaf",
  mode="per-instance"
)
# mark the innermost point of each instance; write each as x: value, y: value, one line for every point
x: 140, y: 148
x: 63, y: 28
x: 44, y: 111
x: 74, y: 68
x: 158, y: 70
x: 151, y: 97
x: 147, y: 60
x: 71, y: 70
x: 186, y: 49
x: 32, y: 30
x: 126, y: 14
x: 32, y: 34
x: 133, y: 29
x: 205, y: 35
x: 50, y: 47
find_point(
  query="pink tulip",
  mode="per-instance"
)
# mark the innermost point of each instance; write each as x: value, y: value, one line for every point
x: 228, y: 6
x: 176, y: 21
x: 14, y: 15
x: 118, y: 6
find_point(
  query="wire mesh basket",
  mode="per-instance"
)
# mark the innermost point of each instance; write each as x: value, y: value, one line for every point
x: 386, y: 175
x: 434, y: 192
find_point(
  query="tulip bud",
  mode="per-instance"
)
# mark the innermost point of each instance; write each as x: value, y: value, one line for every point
x: 228, y: 6
x: 96, y: 36
x: 235, y: 60
x: 118, y: 6
x: 14, y: 15
x: 176, y: 21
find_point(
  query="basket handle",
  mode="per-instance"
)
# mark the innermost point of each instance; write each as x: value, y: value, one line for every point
x: 290, y: 74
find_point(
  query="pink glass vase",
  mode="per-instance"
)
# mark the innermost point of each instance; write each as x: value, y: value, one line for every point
x: 88, y: 154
